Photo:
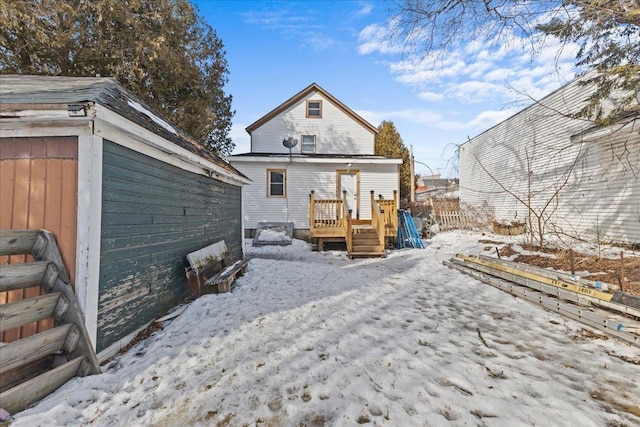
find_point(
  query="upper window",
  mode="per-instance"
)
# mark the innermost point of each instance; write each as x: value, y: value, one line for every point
x: 276, y: 182
x: 314, y: 109
x: 308, y: 144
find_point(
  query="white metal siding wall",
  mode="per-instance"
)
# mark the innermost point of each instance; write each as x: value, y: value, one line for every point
x: 336, y: 132
x: 529, y: 154
x: 603, y: 203
x: 302, y: 178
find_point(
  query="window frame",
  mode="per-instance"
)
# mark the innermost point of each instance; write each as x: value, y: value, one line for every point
x: 308, y: 109
x: 284, y: 183
x: 302, y: 150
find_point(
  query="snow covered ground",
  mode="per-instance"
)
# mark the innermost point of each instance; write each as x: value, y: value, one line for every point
x: 313, y: 339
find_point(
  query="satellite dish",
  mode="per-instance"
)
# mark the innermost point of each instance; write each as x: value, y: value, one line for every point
x: 289, y: 142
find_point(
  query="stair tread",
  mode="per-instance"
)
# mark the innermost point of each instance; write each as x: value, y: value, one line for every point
x: 23, y: 275
x: 32, y: 348
x: 28, y: 310
x: 19, y: 397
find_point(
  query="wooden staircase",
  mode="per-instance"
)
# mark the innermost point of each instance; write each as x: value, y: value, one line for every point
x: 366, y: 242
x: 331, y: 220
x: 34, y: 366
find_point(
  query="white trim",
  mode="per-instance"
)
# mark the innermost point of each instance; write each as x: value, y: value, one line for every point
x: 244, y: 251
x: 89, y: 224
x: 338, y: 161
x: 70, y: 127
x: 110, y: 125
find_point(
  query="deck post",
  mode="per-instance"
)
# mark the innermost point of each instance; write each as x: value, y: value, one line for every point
x: 312, y: 210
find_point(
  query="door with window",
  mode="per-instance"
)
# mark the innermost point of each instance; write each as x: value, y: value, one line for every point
x: 349, y: 181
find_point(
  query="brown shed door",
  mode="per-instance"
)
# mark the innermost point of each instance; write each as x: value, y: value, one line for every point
x: 38, y: 189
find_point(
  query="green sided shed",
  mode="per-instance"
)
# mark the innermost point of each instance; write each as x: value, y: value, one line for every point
x: 130, y: 195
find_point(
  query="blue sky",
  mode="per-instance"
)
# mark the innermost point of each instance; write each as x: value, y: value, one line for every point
x: 275, y: 49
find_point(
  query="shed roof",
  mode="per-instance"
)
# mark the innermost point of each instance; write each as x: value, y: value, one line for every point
x: 34, y: 90
x: 313, y: 87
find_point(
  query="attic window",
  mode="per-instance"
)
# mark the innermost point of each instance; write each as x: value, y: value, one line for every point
x: 314, y: 109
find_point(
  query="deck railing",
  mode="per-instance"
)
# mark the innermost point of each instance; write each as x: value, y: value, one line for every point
x: 327, y: 216
x: 332, y: 218
x: 389, y: 207
x: 348, y: 236
x: 378, y: 220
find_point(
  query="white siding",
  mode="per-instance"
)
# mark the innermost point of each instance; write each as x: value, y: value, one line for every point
x: 528, y: 156
x: 336, y: 132
x: 302, y: 178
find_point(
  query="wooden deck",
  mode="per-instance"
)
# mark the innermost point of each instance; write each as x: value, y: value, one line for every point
x: 331, y: 221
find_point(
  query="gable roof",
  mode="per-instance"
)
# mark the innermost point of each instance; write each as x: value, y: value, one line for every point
x: 313, y: 87
x: 26, y: 90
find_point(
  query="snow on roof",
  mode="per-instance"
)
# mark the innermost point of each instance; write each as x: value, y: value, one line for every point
x: 152, y: 116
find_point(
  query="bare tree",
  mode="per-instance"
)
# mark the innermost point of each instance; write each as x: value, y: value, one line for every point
x: 607, y: 33
x: 539, y: 215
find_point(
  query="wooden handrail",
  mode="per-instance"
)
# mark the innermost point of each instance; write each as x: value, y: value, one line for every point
x: 389, y: 208
x: 377, y: 220
x: 312, y: 211
x: 346, y: 213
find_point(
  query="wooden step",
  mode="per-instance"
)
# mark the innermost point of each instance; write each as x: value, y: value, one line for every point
x: 362, y: 254
x: 26, y: 275
x: 30, y: 349
x: 366, y: 248
x: 24, y: 373
x: 364, y: 240
x: 17, y: 242
x: 21, y: 396
x: 23, y: 312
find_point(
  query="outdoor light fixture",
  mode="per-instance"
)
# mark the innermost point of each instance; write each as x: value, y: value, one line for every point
x: 77, y: 110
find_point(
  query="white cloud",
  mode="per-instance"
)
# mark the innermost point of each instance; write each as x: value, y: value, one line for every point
x: 410, y: 115
x: 318, y: 42
x: 489, y: 118
x: 377, y: 38
x: 365, y: 9
x: 431, y: 96
x: 474, y: 91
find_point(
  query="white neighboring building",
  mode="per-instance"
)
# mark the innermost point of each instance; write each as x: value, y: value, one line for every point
x: 334, y: 153
x: 582, y: 180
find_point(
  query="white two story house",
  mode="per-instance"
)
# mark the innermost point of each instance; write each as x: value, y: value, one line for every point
x: 313, y: 148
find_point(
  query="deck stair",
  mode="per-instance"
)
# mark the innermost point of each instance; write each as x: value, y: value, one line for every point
x: 331, y: 220
x: 366, y: 242
x: 34, y: 366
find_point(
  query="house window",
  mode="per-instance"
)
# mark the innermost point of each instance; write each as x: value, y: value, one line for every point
x: 276, y: 181
x: 314, y: 109
x: 308, y: 143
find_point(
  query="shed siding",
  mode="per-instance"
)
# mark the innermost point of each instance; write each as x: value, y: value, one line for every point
x: 153, y: 214
x: 38, y: 178
x: 529, y: 155
x: 302, y: 178
x: 336, y: 132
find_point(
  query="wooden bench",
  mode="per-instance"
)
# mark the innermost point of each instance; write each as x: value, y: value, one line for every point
x: 211, y: 271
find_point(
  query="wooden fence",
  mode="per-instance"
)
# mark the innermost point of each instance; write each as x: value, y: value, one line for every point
x: 449, y: 220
